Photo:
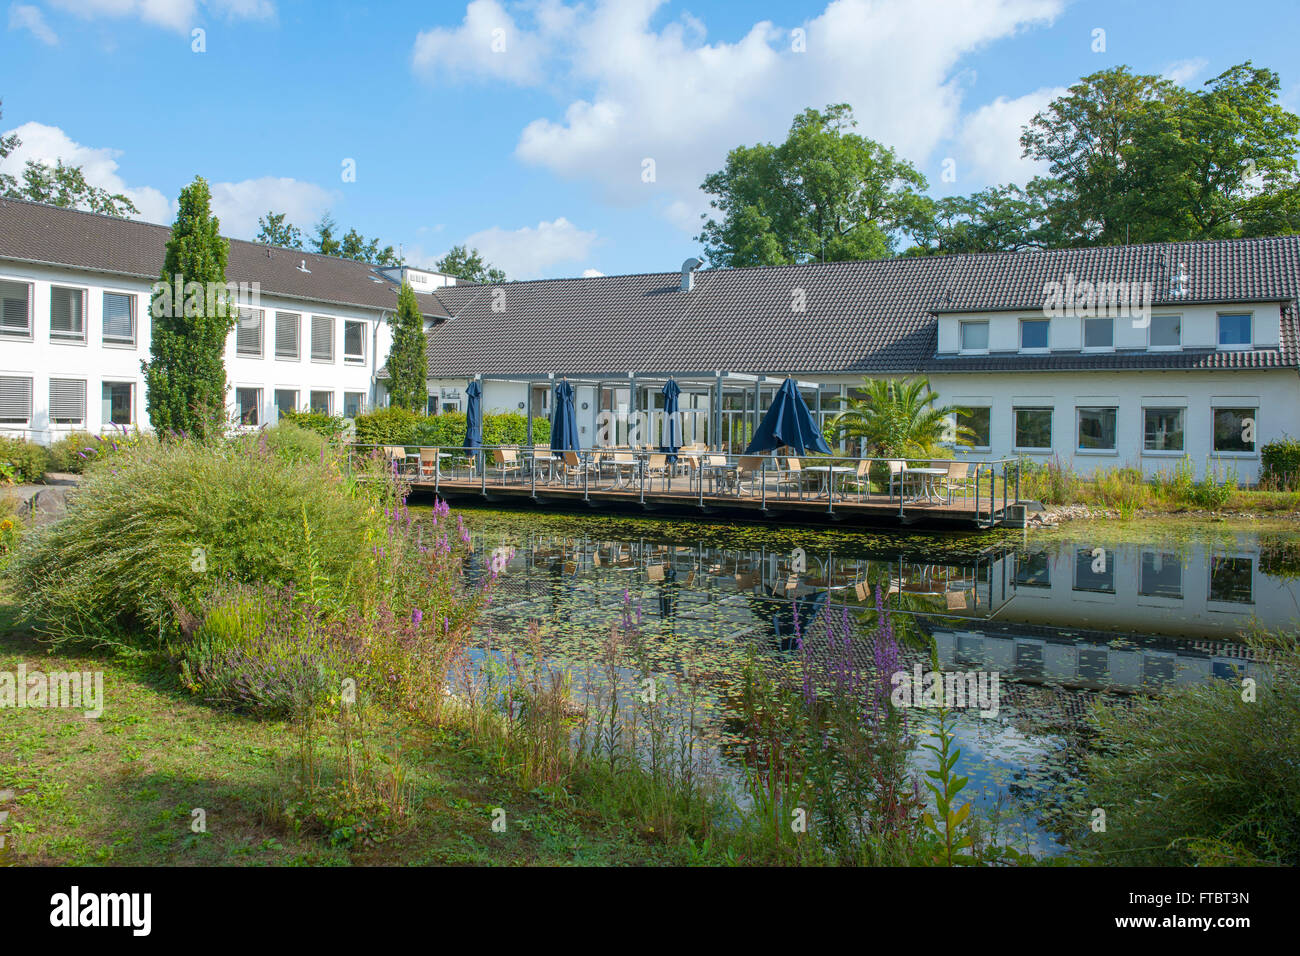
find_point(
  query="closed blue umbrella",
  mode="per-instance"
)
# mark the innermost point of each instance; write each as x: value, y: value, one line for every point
x: 474, y: 418
x: 672, y: 432
x: 788, y: 422
x: 564, y: 423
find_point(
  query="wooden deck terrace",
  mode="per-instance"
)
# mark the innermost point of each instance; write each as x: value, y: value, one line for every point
x: 717, y: 484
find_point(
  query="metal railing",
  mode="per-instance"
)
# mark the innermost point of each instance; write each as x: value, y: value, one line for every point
x: 983, y: 487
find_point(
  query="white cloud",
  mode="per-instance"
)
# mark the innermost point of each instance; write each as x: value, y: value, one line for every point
x: 49, y: 144
x: 532, y: 251
x: 237, y: 205
x: 240, y: 205
x: 592, y: 274
x: 1184, y: 71
x: 666, y: 94
x: 180, y: 15
x: 987, y: 148
x: 25, y: 17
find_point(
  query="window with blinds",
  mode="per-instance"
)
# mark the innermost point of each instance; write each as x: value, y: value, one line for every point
x: 68, y: 314
x: 354, y: 342
x: 15, y: 400
x: 249, y: 403
x: 119, y: 318
x: 15, y: 309
x: 286, y: 334
x: 322, y: 338
x: 248, y: 334
x: 68, y: 401
x: 322, y: 403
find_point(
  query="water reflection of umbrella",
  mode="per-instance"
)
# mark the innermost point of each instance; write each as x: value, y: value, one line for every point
x: 791, y: 618
x: 668, y: 594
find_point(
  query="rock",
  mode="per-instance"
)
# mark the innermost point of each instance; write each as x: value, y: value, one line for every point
x: 46, y: 506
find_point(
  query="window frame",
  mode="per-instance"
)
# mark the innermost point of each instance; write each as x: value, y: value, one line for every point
x: 1036, y: 350
x: 261, y: 333
x: 1015, y: 428
x: 85, y: 402
x: 297, y: 344
x: 312, y: 343
x: 329, y: 405
x: 1173, y: 452
x: 257, y: 407
x: 1210, y: 599
x: 1078, y: 429
x: 1218, y: 332
x: 1214, y: 438
x: 64, y: 338
x: 1083, y: 340
x: 275, y: 400
x: 31, y: 402
x: 1152, y: 347
x: 989, y: 410
x: 113, y: 343
x: 361, y: 404
x: 358, y: 358
x: 961, y: 336
x: 28, y: 335
x: 107, y: 420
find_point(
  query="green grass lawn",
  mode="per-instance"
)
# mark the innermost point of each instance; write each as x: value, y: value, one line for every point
x: 120, y: 790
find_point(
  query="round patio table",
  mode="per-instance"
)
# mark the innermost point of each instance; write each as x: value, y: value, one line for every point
x: 928, y: 475
x: 827, y: 474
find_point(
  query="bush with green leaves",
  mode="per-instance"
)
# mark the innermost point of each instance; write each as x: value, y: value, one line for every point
x: 1280, y: 464
x: 22, y: 461
x: 387, y: 426
x: 290, y: 442
x: 396, y: 426
x: 71, y: 452
x: 1202, y: 774
x: 143, y: 542
x: 329, y: 427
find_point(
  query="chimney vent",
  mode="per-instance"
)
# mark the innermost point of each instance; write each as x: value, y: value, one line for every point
x: 688, y: 273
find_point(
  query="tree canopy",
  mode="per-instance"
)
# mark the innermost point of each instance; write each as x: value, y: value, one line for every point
x: 468, y: 264
x: 407, y: 363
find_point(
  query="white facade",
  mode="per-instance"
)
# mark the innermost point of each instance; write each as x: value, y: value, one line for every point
x: 73, y: 361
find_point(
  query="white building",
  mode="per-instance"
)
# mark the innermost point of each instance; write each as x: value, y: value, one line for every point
x: 75, y: 291
x: 1136, y: 356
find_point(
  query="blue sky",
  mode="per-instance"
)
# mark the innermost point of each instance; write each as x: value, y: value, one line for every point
x: 534, y: 150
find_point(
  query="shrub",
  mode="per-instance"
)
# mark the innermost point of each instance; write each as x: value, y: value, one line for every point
x: 387, y: 426
x: 329, y: 427
x: 27, y: 462
x: 293, y: 443
x: 1199, y: 775
x: 397, y: 426
x: 71, y: 452
x: 143, y: 541
x: 11, y: 528
x: 1280, y: 464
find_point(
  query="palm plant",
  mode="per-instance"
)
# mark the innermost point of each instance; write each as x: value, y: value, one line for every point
x: 898, y: 418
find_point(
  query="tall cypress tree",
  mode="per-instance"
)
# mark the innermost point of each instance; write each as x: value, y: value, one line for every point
x: 408, y: 368
x: 192, y: 315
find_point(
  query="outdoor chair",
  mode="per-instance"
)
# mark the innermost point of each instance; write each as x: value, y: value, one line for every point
x: 542, y: 460
x: 428, y: 462
x: 793, y: 477
x: 396, y: 455
x: 897, y: 473
x: 576, y: 466
x: 862, y: 478
x: 749, y: 472
x: 958, y: 479
x: 658, y: 467
x: 506, y: 461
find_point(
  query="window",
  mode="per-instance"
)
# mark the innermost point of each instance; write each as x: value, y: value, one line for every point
x: 118, y: 403
x: 1098, y: 333
x: 1231, y: 580
x: 68, y: 401
x: 322, y: 338
x: 1163, y: 429
x: 248, y: 401
x: 1033, y: 570
x: 322, y: 402
x: 354, y: 342
x: 1234, y: 430
x: 68, y: 314
x: 286, y: 401
x: 248, y: 336
x: 1097, y: 429
x: 1094, y: 570
x: 1166, y: 332
x: 354, y: 403
x: 286, y: 335
x: 974, y: 336
x: 1162, y: 575
x: 1033, y: 334
x: 979, y: 421
x: 431, y: 405
x: 1033, y: 427
x: 1235, y: 331
x: 16, y: 309
x: 119, y: 319
x: 15, y: 401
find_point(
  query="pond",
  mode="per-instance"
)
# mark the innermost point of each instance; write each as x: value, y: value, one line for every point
x: 1061, y: 617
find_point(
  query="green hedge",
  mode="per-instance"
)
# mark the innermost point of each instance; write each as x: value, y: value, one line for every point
x: 397, y: 426
x: 1281, y: 463
x: 22, y: 461
x: 329, y: 427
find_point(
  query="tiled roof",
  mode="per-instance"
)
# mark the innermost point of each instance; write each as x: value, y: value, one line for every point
x: 34, y: 232
x: 876, y: 316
